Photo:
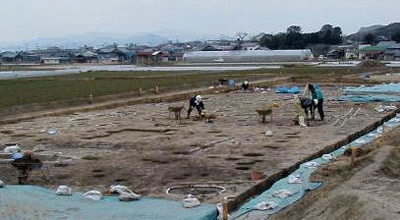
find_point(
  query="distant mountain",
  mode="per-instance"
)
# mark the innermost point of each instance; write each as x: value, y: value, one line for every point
x: 96, y: 39
x: 382, y: 31
x: 185, y: 36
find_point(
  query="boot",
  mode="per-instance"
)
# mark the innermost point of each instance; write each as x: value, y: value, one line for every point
x: 301, y: 121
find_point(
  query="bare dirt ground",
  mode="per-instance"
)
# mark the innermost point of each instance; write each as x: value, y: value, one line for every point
x: 144, y: 148
x: 369, y: 189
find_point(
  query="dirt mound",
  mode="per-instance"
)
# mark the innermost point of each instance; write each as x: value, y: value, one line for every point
x: 371, y: 64
x: 391, y: 167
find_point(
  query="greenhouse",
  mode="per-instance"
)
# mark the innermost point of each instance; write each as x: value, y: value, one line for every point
x: 247, y: 56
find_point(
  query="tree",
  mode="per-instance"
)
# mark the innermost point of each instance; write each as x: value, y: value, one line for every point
x: 293, y: 29
x: 396, y: 37
x: 370, y: 39
x: 240, y: 36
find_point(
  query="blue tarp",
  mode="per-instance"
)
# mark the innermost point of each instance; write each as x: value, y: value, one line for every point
x: 376, y: 93
x: 286, y: 89
x: 37, y: 203
x: 303, y: 173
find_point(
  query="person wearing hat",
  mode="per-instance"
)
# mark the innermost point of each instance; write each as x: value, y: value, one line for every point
x: 195, y: 102
x: 24, y: 163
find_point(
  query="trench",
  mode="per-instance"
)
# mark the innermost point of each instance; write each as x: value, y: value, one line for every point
x: 291, y: 184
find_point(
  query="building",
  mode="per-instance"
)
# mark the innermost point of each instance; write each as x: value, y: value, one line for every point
x: 149, y: 57
x: 372, y: 52
x: 247, y: 56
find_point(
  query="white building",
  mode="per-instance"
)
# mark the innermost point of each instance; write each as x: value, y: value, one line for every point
x: 247, y: 56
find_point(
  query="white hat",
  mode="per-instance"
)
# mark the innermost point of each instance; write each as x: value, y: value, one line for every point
x: 198, y: 98
x: 246, y: 82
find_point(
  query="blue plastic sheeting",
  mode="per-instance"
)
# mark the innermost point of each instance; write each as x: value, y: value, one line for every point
x: 286, y: 89
x: 381, y: 88
x: 304, y: 172
x: 37, y: 203
x: 369, y: 98
x: 376, y: 93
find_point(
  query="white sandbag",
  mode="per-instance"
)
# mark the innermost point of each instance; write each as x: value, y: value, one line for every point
x: 12, y: 149
x: 311, y: 164
x: 63, y: 191
x: 125, y: 194
x: 127, y: 197
x: 328, y: 157
x: 93, y: 195
x: 190, y: 202
x: 294, y: 179
x: 2, y: 184
x: 282, y: 193
x: 266, y: 205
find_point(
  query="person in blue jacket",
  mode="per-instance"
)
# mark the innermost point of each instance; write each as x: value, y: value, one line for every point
x: 318, y: 100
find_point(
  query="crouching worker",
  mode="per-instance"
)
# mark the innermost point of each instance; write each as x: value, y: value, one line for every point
x: 245, y: 85
x: 25, y: 163
x: 195, y: 102
x: 299, y: 110
x: 306, y: 104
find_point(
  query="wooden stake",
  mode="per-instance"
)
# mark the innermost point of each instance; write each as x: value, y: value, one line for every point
x: 225, y: 210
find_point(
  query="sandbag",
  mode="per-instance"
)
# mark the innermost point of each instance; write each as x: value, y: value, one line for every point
x: 190, y: 202
x: 282, y: 193
x: 63, y: 191
x: 12, y: 149
x: 125, y: 194
x: 266, y: 205
x: 127, y: 197
x: 93, y: 195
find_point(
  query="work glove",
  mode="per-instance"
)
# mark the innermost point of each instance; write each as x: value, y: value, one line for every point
x: 315, y: 101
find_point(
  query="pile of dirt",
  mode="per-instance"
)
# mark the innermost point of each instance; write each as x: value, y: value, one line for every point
x: 370, y: 64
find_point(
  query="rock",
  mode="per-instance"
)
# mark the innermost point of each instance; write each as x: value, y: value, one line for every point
x: 63, y: 191
x: 269, y: 133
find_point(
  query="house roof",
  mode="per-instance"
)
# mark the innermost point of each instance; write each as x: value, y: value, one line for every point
x: 373, y: 48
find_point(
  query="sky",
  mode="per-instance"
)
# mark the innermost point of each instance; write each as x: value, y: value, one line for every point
x: 29, y: 19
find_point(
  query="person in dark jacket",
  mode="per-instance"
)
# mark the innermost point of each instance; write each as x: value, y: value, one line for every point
x: 195, y: 102
x: 318, y: 100
x: 25, y: 163
x: 245, y: 85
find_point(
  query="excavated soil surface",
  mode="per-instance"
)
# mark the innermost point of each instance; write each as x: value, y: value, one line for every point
x: 143, y: 147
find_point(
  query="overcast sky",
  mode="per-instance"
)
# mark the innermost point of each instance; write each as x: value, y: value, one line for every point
x: 28, y: 19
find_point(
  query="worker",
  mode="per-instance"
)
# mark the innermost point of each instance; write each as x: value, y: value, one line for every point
x: 24, y: 163
x: 318, y: 100
x: 195, y: 102
x: 306, y: 104
x: 245, y: 85
x: 299, y: 110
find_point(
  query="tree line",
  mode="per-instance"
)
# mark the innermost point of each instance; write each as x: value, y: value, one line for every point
x: 293, y: 38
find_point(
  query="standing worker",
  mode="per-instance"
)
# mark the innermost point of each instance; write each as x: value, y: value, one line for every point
x: 318, y: 100
x: 195, y: 102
